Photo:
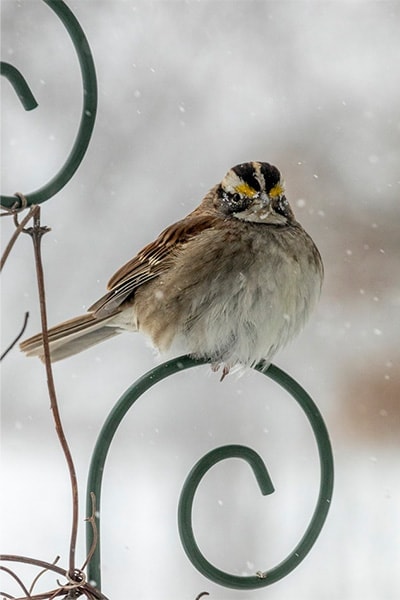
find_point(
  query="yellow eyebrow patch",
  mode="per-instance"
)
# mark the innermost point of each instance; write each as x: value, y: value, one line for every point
x: 245, y: 190
x: 277, y: 190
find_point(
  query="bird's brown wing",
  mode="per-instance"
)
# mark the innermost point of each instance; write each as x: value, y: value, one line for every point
x: 154, y: 259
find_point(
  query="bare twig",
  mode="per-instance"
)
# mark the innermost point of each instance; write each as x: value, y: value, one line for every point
x: 85, y: 590
x: 7, y: 350
x: 32, y: 561
x: 76, y: 585
x: 92, y: 521
x: 45, y: 570
x: 73, y: 588
x: 20, y: 204
x: 44, y: 596
x: 37, y: 232
x: 19, y: 228
x: 17, y: 579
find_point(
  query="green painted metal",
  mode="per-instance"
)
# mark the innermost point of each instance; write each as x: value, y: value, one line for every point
x: 89, y: 108
x: 320, y: 512
x: 19, y: 84
x: 111, y: 425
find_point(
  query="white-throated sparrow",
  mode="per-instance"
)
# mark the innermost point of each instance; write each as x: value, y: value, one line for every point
x: 233, y: 281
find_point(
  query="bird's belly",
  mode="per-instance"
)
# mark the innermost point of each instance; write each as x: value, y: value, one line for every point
x: 235, y: 306
x: 252, y: 318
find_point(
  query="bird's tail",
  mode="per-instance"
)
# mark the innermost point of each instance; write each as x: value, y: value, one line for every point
x: 71, y: 337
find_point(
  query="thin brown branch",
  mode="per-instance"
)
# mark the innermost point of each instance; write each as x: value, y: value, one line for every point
x: 43, y: 596
x: 37, y: 232
x: 42, y: 572
x: 13, y: 239
x: 87, y: 591
x: 32, y: 561
x: 17, y: 579
x: 20, y: 204
x: 56, y: 593
x: 21, y: 333
x: 92, y: 521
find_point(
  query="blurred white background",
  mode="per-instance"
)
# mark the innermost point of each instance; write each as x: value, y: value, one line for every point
x: 186, y: 90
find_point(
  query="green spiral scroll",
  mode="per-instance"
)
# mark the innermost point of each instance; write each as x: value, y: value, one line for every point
x: 89, y: 108
x: 194, y: 478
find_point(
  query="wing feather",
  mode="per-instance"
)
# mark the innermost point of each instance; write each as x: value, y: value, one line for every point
x: 154, y: 259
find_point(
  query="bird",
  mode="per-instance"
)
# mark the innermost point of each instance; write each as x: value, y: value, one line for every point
x: 232, y: 282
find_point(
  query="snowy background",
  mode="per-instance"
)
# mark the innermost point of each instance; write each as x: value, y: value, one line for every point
x: 186, y: 90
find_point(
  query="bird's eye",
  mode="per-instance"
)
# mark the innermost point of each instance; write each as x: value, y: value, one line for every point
x: 232, y: 203
x: 235, y: 198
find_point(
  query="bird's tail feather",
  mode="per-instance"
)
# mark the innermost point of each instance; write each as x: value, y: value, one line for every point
x: 71, y: 337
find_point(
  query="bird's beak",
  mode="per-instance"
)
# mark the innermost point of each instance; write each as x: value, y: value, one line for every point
x: 265, y: 199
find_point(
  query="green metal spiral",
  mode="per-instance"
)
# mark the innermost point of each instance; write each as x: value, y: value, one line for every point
x: 89, y: 108
x: 185, y: 508
x: 19, y: 84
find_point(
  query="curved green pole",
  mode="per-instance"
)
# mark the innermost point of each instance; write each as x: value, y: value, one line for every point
x: 20, y: 86
x: 185, y: 505
x: 318, y: 518
x: 89, y: 108
x: 104, y: 441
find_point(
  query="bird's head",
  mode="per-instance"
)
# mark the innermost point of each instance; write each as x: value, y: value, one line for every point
x: 254, y: 192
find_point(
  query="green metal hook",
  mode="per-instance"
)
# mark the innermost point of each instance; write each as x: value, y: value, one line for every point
x: 188, y: 492
x: 204, y: 464
x: 89, y: 108
x: 318, y: 518
x: 19, y: 84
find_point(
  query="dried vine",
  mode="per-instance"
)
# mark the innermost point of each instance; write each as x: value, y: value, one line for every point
x: 76, y: 584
